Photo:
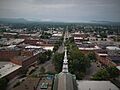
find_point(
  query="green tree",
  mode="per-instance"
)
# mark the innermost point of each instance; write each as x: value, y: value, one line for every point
x: 106, y: 74
x: 91, y: 57
x: 77, y: 62
x: 103, y: 35
x: 45, y: 35
x: 58, y: 61
x: 56, y: 46
x: 101, y: 75
x: 113, y: 72
x: 43, y: 57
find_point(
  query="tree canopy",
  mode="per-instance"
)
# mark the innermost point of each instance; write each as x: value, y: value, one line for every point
x: 43, y: 57
x: 58, y: 61
x: 106, y: 74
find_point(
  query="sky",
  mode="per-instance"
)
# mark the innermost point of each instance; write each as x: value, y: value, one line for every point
x: 61, y: 10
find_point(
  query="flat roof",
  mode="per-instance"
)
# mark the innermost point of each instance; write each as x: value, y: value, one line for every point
x: 57, y: 34
x: 34, y: 47
x: 8, y: 68
x: 46, y: 47
x: 94, y: 48
x: 2, y: 63
x: 100, y: 54
x: 102, y: 51
x: 96, y: 85
x: 115, y: 58
x: 13, y: 41
x: 78, y: 38
x: 10, y: 33
x: 113, y: 48
x: 118, y: 67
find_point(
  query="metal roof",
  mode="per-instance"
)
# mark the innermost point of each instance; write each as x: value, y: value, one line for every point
x: 96, y: 85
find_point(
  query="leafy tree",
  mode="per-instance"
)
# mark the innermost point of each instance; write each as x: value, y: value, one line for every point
x: 101, y: 75
x: 48, y: 54
x: 77, y: 61
x: 56, y: 46
x: 2, y: 30
x: 106, y: 74
x: 103, y: 35
x: 91, y: 57
x: 43, y: 57
x: 113, y: 72
x: 58, y: 61
x: 45, y: 35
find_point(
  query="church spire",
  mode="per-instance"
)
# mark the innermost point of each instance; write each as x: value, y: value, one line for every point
x: 65, y: 62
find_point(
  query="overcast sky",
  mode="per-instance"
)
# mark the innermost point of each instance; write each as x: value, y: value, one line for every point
x: 61, y: 10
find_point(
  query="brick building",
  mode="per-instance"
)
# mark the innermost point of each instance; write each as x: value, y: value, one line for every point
x: 9, y: 70
x: 35, y: 42
x: 103, y: 58
x: 8, y: 54
x: 26, y: 59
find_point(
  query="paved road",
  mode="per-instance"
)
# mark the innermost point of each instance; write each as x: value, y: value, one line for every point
x: 61, y: 48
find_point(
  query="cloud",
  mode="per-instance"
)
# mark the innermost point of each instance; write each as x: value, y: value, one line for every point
x: 65, y: 10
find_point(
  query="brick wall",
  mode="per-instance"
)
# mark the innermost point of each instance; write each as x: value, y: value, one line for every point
x: 6, y: 55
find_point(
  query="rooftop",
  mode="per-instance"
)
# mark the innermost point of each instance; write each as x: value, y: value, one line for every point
x: 115, y: 58
x: 3, y: 63
x: 89, y: 48
x: 112, y: 48
x: 65, y: 80
x: 8, y: 68
x: 96, y: 85
x: 57, y: 34
x: 118, y: 67
x: 46, y: 47
x: 12, y: 41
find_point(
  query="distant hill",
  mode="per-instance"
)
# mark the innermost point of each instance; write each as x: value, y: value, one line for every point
x: 106, y: 22
x: 13, y: 20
